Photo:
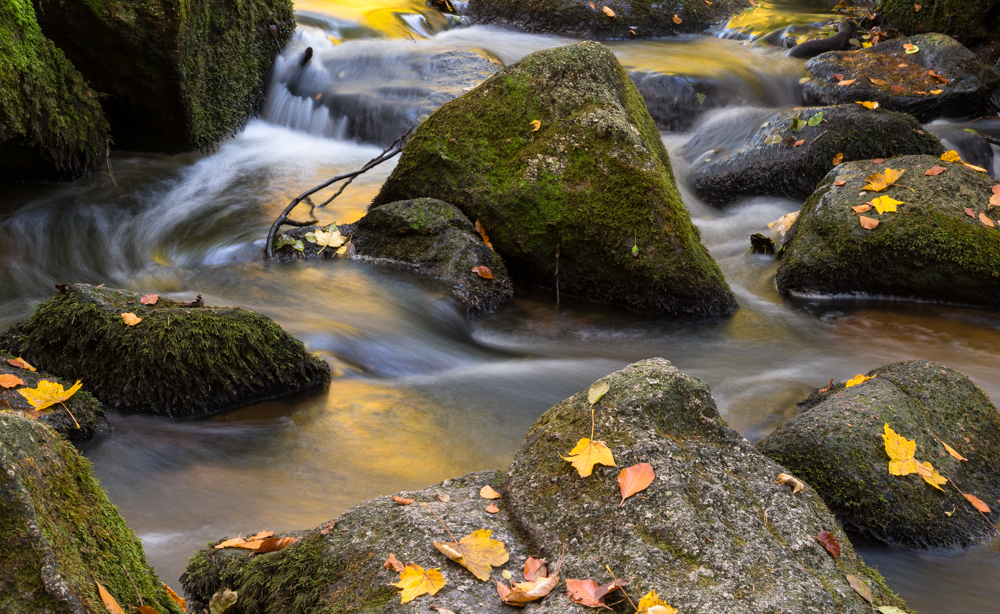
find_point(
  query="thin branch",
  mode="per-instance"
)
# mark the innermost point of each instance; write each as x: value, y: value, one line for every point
x: 283, y: 219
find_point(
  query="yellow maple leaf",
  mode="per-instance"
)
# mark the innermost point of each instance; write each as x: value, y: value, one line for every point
x: 652, y: 604
x: 881, y: 181
x: 416, y: 581
x: 883, y: 204
x: 860, y: 378
x: 588, y: 453
x: 951, y: 156
x: 477, y: 552
x: 325, y: 239
x: 48, y: 393
x: 931, y: 475
x: 867, y: 104
x: 900, y: 451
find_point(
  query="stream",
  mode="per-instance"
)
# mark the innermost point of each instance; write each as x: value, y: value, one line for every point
x: 421, y: 393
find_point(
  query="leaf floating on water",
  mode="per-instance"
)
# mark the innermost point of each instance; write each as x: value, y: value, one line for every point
x: 48, y: 393
x: 797, y: 484
x: 401, y: 500
x: 588, y: 453
x: 608, y: 12
x: 978, y: 503
x: 829, y: 542
x: 487, y: 492
x: 130, y: 318
x: 598, y: 390
x: 477, y: 552
x: 867, y: 104
x: 416, y: 581
x: 652, y: 604
x: 149, y: 299
x: 635, y: 479
x: 8, y: 380
x: 934, y: 170
x: 985, y: 220
x: 483, y: 271
x: 860, y: 587
x: 175, y: 597
x: 20, y: 363
x: 391, y: 562
x: 868, y: 223
x: 109, y: 601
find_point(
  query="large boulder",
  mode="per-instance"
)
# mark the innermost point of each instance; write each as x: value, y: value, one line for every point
x: 181, y: 359
x: 587, y: 193
x: 769, y: 163
x: 175, y: 75
x: 712, y: 532
x: 51, y: 125
x: 836, y: 445
x: 968, y: 87
x: 583, y: 19
x: 970, y: 21
x: 60, y: 533
x: 929, y: 249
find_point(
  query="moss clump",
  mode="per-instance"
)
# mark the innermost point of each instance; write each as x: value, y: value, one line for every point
x: 836, y: 446
x: 590, y: 193
x: 179, y: 361
x: 178, y: 75
x: 970, y: 21
x: 929, y: 249
x: 60, y: 531
x: 51, y: 125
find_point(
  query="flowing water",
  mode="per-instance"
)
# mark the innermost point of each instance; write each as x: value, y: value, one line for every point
x: 420, y: 393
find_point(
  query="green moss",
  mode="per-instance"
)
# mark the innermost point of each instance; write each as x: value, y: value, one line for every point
x: 969, y: 21
x: 51, y: 124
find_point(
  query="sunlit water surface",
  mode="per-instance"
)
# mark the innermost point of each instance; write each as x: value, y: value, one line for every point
x: 420, y: 393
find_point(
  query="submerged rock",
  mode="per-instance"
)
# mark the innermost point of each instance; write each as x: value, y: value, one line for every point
x: 176, y: 75
x: 51, y: 125
x: 712, y: 532
x: 769, y: 163
x: 181, y: 360
x: 557, y: 156
x: 60, y: 532
x: 965, y: 86
x: 929, y: 249
x: 835, y: 444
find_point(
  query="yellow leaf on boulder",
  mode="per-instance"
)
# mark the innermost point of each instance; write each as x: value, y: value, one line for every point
x: 597, y: 391
x: 931, y: 475
x: 537, y: 123
x: 881, y: 181
x: 951, y: 156
x: 588, y: 453
x: 130, y: 318
x: 860, y: 378
x: 868, y: 104
x: 884, y: 204
x: 416, y: 581
x: 900, y: 451
x: 48, y: 393
x: 477, y: 552
x: 652, y: 604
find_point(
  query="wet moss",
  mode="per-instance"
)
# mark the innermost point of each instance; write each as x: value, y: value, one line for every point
x: 969, y: 21
x: 178, y: 361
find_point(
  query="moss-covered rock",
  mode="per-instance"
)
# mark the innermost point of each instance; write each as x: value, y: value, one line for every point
x: 835, y: 444
x: 584, y: 19
x: 177, y: 75
x: 929, y: 249
x: 180, y: 360
x: 763, y: 165
x: 969, y: 21
x: 588, y: 194
x: 713, y: 532
x: 51, y: 125
x: 60, y: 533
x: 78, y: 421
x: 967, y: 86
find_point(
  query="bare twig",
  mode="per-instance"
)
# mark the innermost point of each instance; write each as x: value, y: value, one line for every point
x: 283, y: 219
x: 107, y: 158
x: 817, y: 138
x: 133, y: 584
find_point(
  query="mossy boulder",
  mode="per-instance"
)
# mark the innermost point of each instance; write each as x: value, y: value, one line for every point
x: 51, y: 125
x: 769, y: 163
x: 712, y: 532
x: 835, y: 444
x: 589, y: 194
x: 970, y: 21
x: 930, y: 249
x: 968, y: 87
x: 60, y: 533
x: 180, y: 360
x: 85, y: 409
x: 583, y: 19
x: 175, y: 75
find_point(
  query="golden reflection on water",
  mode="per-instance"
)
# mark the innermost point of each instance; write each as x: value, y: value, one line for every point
x: 382, y: 16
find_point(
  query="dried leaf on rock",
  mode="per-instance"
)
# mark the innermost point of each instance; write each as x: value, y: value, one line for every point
x: 880, y: 181
x: 939, y: 78
x: 20, y: 363
x: 934, y: 170
x: 492, y: 508
x: 331, y: 238
x: 145, y: 609
x: 482, y: 233
x: 588, y: 453
x: 862, y: 208
x: 483, y: 271
x: 635, y: 479
x: 995, y: 198
x: 535, y: 568
x: 860, y: 587
x: 829, y: 542
x: 391, y: 562
x: 797, y: 484
x: 416, y: 581
x: 149, y: 299
x: 837, y: 159
x: 48, y: 393
x: 799, y: 143
x: 273, y: 544
x: 130, y: 318
x: 477, y: 552
x: 877, y: 81
x: 867, y: 104
x: 652, y: 604
x: 868, y: 223
x: 886, y: 204
x: 910, y: 49
x: 401, y: 500
x: 931, y: 475
x: 9, y: 380
x: 978, y: 503
x: 608, y: 11
x: 985, y: 220
x: 175, y: 597
x: 222, y: 600
x: 677, y: 19
x: 109, y: 601
x: 936, y: 92
x: 589, y: 593
x: 951, y: 156
x: 846, y: 82
x: 438, y: 609
x: 978, y: 169
x: 970, y: 212
x: 487, y: 492
x: 953, y: 451
x: 878, y: 160
x: 521, y: 593
x: 443, y: 498
x: 597, y: 391
x: 536, y: 124
x: 860, y: 378
x: 900, y: 451
x: 889, y: 609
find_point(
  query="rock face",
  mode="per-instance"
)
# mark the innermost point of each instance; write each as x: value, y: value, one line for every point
x: 929, y: 249
x: 968, y: 86
x: 178, y: 75
x: 60, y: 531
x: 588, y: 194
x: 969, y: 21
x: 178, y: 361
x: 836, y: 445
x: 763, y: 165
x: 712, y: 531
x: 51, y: 125
x: 86, y: 410
x: 641, y: 19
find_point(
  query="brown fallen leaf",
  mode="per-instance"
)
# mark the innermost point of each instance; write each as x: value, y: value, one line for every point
x: 862, y: 208
x: 20, y: 363
x: 487, y: 492
x: 860, y: 587
x: 899, y: 89
x: 868, y: 223
x: 443, y: 498
x: 401, y: 500
x: 985, y: 220
x: 978, y: 503
x: 483, y: 271
x: 829, y: 542
x: 589, y: 593
x: 916, y: 8
x: 846, y: 82
x: 439, y: 609
x: 635, y: 479
x: 877, y: 81
x: 130, y: 318
x: 182, y: 602
x: 799, y: 143
x: 939, y: 77
x: 839, y: 183
x: 392, y: 563
x: 492, y: 508
x: 482, y: 233
x: 995, y: 198
x: 8, y: 380
x: 145, y: 609
x: 970, y: 212
x: 109, y: 601
x: 273, y: 544
x: 608, y: 12
x: 677, y: 19
x: 878, y: 161
x: 796, y: 483
x: 934, y: 170
x: 477, y: 552
x: 149, y: 299
x: 838, y: 76
x: 837, y: 159
x: 521, y: 593
x: 535, y: 568
x: 327, y: 527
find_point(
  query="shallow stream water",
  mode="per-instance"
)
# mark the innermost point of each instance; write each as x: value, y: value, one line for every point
x: 420, y: 393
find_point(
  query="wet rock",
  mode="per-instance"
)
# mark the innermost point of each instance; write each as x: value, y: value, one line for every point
x: 51, y: 126
x: 60, y: 532
x: 930, y: 249
x: 589, y: 193
x: 967, y: 86
x: 971, y: 145
x: 835, y: 444
x: 838, y: 42
x: 713, y: 531
x: 969, y: 21
x: 86, y: 410
x: 181, y: 360
x: 768, y: 163
x: 638, y: 19
x: 176, y: 76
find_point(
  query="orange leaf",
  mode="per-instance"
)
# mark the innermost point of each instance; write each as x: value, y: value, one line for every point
x: 149, y: 299
x: 588, y: 593
x: 20, y: 363
x: 953, y: 451
x: 145, y: 609
x: 995, y: 199
x: 130, y: 318
x: 797, y: 143
x: 862, y: 208
x: 978, y: 169
x: 524, y: 592
x: 8, y: 380
x: 970, y: 212
x: 273, y: 544
x: 109, y: 601
x: 838, y: 76
x: 482, y: 230
x: 829, y: 542
x: 878, y: 160
x: 846, y: 82
x: 868, y: 223
x: 878, y: 81
x: 486, y: 492
x: 839, y: 182
x: 483, y: 271
x: 177, y: 598
x: 534, y: 569
x: 401, y: 500
x: 916, y: 8
x: 677, y: 19
x: 608, y: 12
x: 939, y: 77
x: 985, y: 220
x: 492, y: 508
x: 934, y: 170
x: 837, y: 159
x: 391, y: 562
x: 978, y: 503
x: 635, y: 479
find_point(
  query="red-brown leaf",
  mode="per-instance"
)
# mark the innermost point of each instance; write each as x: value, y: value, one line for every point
x: 149, y: 299
x: 483, y: 271
x: 492, y: 508
x: 588, y: 593
x: 534, y: 569
x: 878, y: 160
x: 978, y: 503
x: 970, y: 212
x: 401, y: 500
x: 145, y: 609
x: 391, y: 562
x: 829, y: 542
x: 935, y: 170
x: 995, y: 199
x: 985, y: 220
x: 635, y: 479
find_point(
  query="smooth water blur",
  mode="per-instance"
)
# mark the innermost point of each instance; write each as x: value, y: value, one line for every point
x: 420, y: 393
